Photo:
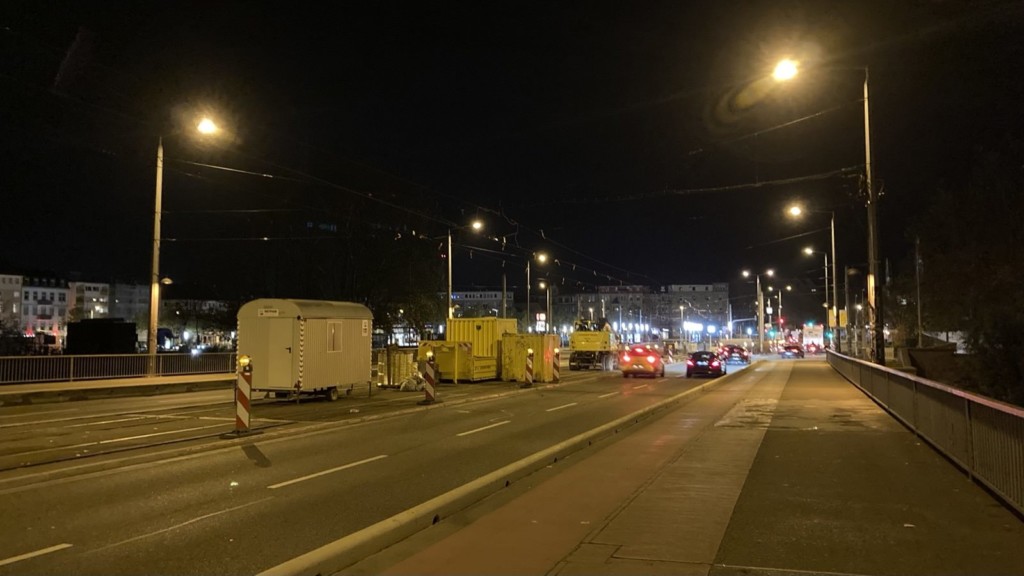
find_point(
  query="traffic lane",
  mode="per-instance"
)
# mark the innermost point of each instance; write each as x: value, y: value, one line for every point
x: 41, y: 446
x: 194, y: 491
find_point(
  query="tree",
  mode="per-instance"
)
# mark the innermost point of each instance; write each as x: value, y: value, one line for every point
x: 973, y: 268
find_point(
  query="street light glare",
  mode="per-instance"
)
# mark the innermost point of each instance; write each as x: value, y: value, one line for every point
x: 770, y: 272
x: 477, y: 225
x: 795, y: 210
x: 808, y: 250
x: 542, y: 257
x: 785, y: 70
x: 207, y: 126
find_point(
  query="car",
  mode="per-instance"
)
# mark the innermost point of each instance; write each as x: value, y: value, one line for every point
x: 812, y: 348
x: 704, y: 363
x: 731, y: 353
x: 641, y: 360
x: 791, y: 351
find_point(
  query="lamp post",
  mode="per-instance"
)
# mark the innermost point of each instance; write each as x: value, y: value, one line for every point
x: 760, y: 307
x: 682, y: 323
x: 796, y: 211
x: 809, y: 251
x: 547, y: 308
x: 475, y: 225
x: 786, y: 288
x: 204, y: 126
x: 786, y: 70
x: 542, y: 258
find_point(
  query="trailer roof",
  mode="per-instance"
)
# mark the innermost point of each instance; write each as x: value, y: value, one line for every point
x: 288, y: 308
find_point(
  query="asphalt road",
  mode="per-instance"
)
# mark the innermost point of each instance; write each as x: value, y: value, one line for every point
x: 175, y: 497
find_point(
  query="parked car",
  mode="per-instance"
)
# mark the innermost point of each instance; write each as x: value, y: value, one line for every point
x: 791, y: 351
x: 731, y: 353
x: 704, y: 363
x: 641, y: 360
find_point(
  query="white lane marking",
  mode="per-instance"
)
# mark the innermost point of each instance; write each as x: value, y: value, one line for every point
x: 14, y: 559
x: 126, y: 438
x: 495, y: 425
x: 113, y: 440
x: 39, y: 413
x: 640, y: 386
x: 608, y: 394
x: 185, y: 523
x: 331, y: 471
x: 560, y: 407
x: 107, y: 422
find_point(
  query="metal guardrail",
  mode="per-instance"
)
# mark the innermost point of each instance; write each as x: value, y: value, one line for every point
x: 985, y: 437
x: 389, y: 366
x: 66, y: 368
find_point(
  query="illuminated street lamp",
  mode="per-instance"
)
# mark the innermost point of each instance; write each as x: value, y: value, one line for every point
x: 796, y: 211
x: 760, y: 307
x: 204, y: 126
x: 787, y: 288
x: 547, y: 309
x: 476, y: 225
x: 811, y: 251
x: 541, y: 258
x: 786, y: 70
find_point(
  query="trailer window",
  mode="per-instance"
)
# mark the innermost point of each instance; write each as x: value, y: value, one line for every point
x: 334, y: 336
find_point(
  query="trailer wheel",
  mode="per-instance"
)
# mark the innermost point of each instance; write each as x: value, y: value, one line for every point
x: 332, y: 393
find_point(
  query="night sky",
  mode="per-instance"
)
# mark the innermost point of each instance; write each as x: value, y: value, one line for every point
x: 637, y: 142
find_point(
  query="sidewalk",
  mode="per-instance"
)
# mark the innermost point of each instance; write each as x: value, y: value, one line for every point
x: 784, y: 469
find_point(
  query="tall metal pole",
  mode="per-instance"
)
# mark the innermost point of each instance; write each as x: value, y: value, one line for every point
x: 828, y: 321
x: 875, y: 315
x: 154, y: 288
x: 528, y: 294
x: 451, y: 311
x: 547, y: 323
x: 917, y: 281
x: 846, y: 294
x: 837, y: 337
x: 760, y: 316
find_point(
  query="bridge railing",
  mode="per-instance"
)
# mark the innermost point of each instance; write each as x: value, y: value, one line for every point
x: 985, y: 437
x: 68, y: 368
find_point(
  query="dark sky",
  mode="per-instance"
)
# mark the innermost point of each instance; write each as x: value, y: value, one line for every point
x: 635, y: 141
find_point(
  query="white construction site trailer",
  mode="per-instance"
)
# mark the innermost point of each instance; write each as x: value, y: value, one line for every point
x: 306, y: 346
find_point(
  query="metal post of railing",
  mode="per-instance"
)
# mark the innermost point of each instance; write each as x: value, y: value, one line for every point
x: 969, y: 433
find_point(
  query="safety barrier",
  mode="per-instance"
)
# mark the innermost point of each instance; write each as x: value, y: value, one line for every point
x: 69, y: 368
x: 985, y: 437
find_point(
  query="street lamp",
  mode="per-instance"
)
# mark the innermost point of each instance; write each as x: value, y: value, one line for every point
x: 204, y: 126
x: 786, y: 70
x: 796, y: 211
x: 547, y: 309
x: 682, y: 323
x: 475, y: 225
x: 787, y: 288
x: 541, y: 258
x: 760, y: 307
x: 811, y: 251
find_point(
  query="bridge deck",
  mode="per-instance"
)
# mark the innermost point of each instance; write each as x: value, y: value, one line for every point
x: 784, y: 468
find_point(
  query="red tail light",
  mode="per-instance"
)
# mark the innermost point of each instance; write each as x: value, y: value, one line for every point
x: 714, y: 362
x: 651, y: 358
x: 689, y: 362
x: 625, y: 357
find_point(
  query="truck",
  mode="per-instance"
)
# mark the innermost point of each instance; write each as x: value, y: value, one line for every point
x: 814, y: 336
x: 593, y: 344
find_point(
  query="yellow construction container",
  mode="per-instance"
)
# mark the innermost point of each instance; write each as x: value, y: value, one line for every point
x: 515, y: 348
x: 456, y: 362
x: 484, y: 333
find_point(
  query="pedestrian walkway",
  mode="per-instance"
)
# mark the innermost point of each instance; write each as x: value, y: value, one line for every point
x: 784, y: 468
